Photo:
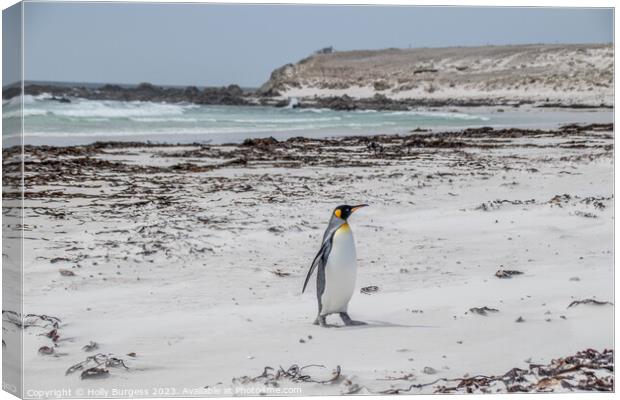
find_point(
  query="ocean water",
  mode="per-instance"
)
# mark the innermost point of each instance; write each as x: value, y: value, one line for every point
x: 50, y: 122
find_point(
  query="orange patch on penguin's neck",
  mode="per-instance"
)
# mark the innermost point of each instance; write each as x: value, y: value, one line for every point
x: 344, y: 228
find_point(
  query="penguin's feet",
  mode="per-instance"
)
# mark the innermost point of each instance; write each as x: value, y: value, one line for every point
x: 348, y: 321
x: 320, y: 320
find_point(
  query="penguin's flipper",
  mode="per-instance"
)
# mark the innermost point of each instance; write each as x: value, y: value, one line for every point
x: 326, y: 247
x: 320, y: 259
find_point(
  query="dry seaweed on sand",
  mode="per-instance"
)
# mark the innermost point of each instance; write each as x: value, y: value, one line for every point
x: 496, y: 204
x: 95, y: 365
x: 294, y: 374
x: 53, y: 334
x: 585, y: 214
x: 66, y: 272
x: 12, y: 317
x: 92, y: 346
x: 369, y: 289
x: 46, y: 350
x: 588, y: 370
x: 30, y: 320
x: 81, y: 163
x: 94, y: 372
x: 482, y: 310
x: 38, y: 319
x: 507, y: 273
x: 280, y: 273
x: 589, y: 301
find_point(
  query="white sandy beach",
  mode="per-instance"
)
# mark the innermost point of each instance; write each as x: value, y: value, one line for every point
x: 199, y: 272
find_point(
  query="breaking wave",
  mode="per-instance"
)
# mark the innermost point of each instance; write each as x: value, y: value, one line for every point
x: 48, y: 118
x: 442, y: 115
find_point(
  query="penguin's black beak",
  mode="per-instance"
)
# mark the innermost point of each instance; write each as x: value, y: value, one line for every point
x: 355, y: 208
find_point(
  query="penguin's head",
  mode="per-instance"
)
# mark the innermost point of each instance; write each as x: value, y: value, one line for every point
x: 345, y: 211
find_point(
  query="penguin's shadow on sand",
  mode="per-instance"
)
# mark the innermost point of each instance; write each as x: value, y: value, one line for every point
x: 380, y: 324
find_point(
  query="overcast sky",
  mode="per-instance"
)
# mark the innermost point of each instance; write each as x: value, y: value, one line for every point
x: 201, y: 44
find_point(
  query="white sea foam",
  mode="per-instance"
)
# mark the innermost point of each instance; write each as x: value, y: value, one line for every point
x: 184, y: 131
x: 171, y: 119
x: 92, y: 110
x: 442, y: 115
x: 313, y: 110
x: 281, y: 120
x: 117, y: 109
x: 27, y: 99
x: 28, y: 112
x: 49, y: 119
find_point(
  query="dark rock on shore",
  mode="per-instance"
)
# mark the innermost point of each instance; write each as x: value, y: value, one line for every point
x: 61, y: 99
x: 381, y: 102
x: 260, y: 142
x: 229, y: 95
x: 10, y: 92
x: 576, y: 106
x: 344, y: 103
x: 267, y: 95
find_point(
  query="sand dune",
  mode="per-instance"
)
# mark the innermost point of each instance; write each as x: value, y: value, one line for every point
x: 545, y: 73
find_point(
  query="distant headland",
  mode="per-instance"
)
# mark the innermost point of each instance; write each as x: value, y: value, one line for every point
x: 543, y: 75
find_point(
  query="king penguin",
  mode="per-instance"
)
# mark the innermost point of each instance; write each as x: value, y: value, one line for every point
x: 337, y: 268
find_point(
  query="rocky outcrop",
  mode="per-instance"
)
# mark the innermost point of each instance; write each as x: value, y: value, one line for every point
x: 381, y: 102
x: 229, y: 95
x: 280, y: 79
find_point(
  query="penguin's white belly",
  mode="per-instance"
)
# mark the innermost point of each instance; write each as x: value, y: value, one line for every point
x: 340, y: 273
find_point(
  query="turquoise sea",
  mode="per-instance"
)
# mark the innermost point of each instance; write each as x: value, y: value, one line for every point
x: 50, y: 122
